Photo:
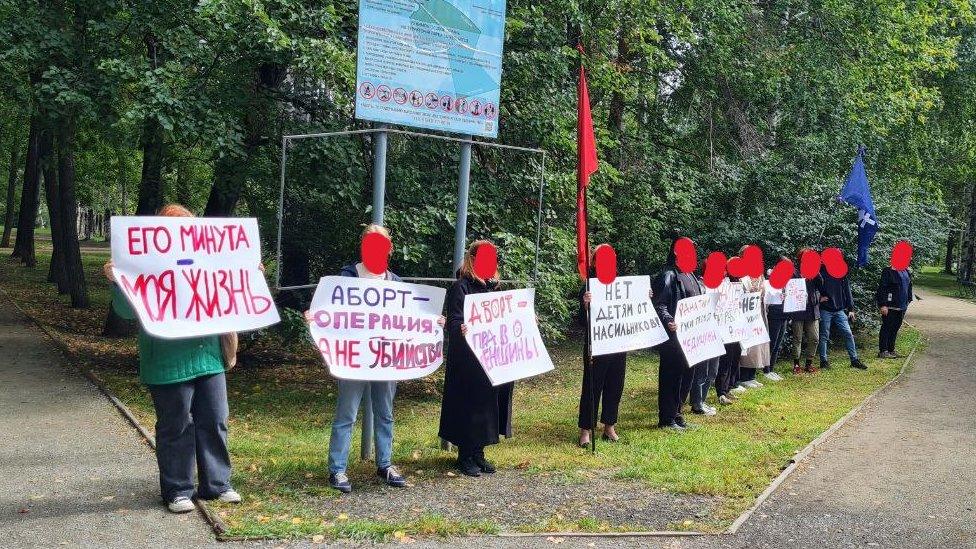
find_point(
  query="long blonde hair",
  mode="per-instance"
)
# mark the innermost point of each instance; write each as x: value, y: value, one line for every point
x: 174, y: 210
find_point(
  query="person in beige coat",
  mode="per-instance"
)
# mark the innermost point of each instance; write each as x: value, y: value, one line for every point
x: 756, y: 357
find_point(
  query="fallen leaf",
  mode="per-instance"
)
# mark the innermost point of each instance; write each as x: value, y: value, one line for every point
x: 296, y: 520
x: 108, y: 498
x: 552, y: 539
x: 318, y: 538
x: 687, y: 523
x: 342, y: 516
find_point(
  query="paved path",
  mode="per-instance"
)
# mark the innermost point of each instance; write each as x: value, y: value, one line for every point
x: 72, y: 471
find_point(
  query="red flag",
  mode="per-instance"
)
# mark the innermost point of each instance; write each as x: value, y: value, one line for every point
x: 587, y: 164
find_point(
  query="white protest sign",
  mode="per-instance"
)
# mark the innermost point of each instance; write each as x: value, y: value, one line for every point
x: 754, y: 325
x: 795, y: 295
x: 192, y: 276
x: 503, y: 334
x: 698, y: 331
x: 772, y: 295
x: 377, y: 330
x: 727, y: 302
x: 622, y: 317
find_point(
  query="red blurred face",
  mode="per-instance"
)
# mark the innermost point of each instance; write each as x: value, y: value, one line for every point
x: 606, y: 263
x: 809, y: 264
x: 375, y: 252
x: 901, y: 255
x: 736, y: 267
x: 486, y: 261
x: 752, y: 257
x: 833, y: 260
x: 714, y: 270
x: 782, y: 273
x: 686, y: 256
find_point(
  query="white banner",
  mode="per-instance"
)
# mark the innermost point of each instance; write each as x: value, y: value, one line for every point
x: 698, y: 332
x: 377, y: 330
x: 754, y: 325
x: 727, y: 302
x: 795, y: 295
x: 192, y: 276
x: 503, y: 334
x: 622, y: 317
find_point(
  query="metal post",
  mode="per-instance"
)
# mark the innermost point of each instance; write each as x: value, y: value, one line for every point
x: 464, y: 184
x: 379, y: 201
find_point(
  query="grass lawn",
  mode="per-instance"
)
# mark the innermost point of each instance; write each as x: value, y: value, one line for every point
x: 943, y: 284
x: 281, y: 404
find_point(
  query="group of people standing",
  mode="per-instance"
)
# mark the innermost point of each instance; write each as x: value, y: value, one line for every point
x: 829, y: 307
x: 187, y: 382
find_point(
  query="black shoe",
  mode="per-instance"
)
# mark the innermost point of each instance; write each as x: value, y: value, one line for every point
x: 340, y: 482
x: 856, y: 363
x: 486, y: 466
x: 824, y: 365
x: 468, y: 467
x: 392, y: 476
x: 672, y: 427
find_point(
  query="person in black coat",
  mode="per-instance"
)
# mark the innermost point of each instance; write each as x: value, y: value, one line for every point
x: 807, y: 321
x: 895, y: 292
x: 474, y: 414
x: 675, y: 377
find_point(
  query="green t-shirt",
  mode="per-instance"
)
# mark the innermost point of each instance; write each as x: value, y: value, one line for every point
x: 163, y: 361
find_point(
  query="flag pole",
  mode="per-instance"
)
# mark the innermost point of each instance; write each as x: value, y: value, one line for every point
x: 582, y: 176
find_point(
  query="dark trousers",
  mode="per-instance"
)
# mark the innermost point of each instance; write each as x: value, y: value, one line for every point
x: 705, y: 374
x: 604, y: 381
x: 728, y: 369
x: 890, y: 324
x: 465, y: 452
x: 777, y: 333
x: 191, y: 433
x: 674, y: 383
x: 747, y: 374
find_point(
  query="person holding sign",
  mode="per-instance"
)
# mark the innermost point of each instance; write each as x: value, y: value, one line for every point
x: 474, y: 413
x: 675, y: 376
x: 375, y: 249
x: 806, y: 320
x: 756, y: 356
x: 189, y: 392
x: 777, y: 322
x: 619, y: 314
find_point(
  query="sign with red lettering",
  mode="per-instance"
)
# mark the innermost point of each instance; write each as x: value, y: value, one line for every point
x: 753, y: 323
x: 504, y: 335
x: 371, y: 329
x: 795, y: 296
x: 622, y: 317
x: 698, y: 332
x: 727, y: 301
x: 192, y: 276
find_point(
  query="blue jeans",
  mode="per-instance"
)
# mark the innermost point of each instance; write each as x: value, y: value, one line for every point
x: 704, y: 373
x: 191, y: 433
x: 828, y: 319
x: 347, y: 405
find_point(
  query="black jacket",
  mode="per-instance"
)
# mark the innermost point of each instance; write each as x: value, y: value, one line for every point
x: 889, y: 286
x: 837, y: 291
x: 473, y: 412
x: 668, y: 291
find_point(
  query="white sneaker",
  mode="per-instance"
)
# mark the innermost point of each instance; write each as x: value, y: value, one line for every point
x: 724, y: 400
x: 737, y: 389
x: 752, y: 384
x: 181, y: 504
x: 230, y: 496
x: 772, y: 376
x: 709, y: 410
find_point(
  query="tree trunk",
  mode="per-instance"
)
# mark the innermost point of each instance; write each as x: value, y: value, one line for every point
x: 617, y: 106
x: 968, y: 257
x: 230, y: 174
x: 74, y: 271
x: 950, y: 256
x: 49, y: 168
x: 11, y: 203
x: 29, y: 198
x: 153, y: 154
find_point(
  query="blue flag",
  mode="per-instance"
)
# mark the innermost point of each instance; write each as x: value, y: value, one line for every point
x: 857, y: 193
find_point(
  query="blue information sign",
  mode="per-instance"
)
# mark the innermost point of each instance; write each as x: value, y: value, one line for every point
x: 434, y: 64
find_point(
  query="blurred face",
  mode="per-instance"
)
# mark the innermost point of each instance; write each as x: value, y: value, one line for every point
x: 375, y: 252
x: 686, y: 255
x: 605, y: 258
x: 901, y: 255
x: 485, y: 261
x: 833, y: 260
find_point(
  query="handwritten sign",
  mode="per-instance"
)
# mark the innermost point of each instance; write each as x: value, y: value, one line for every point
x: 698, y: 332
x: 503, y: 334
x: 753, y: 323
x: 621, y: 316
x: 190, y: 277
x: 772, y: 296
x: 795, y: 295
x: 727, y: 302
x: 377, y: 330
